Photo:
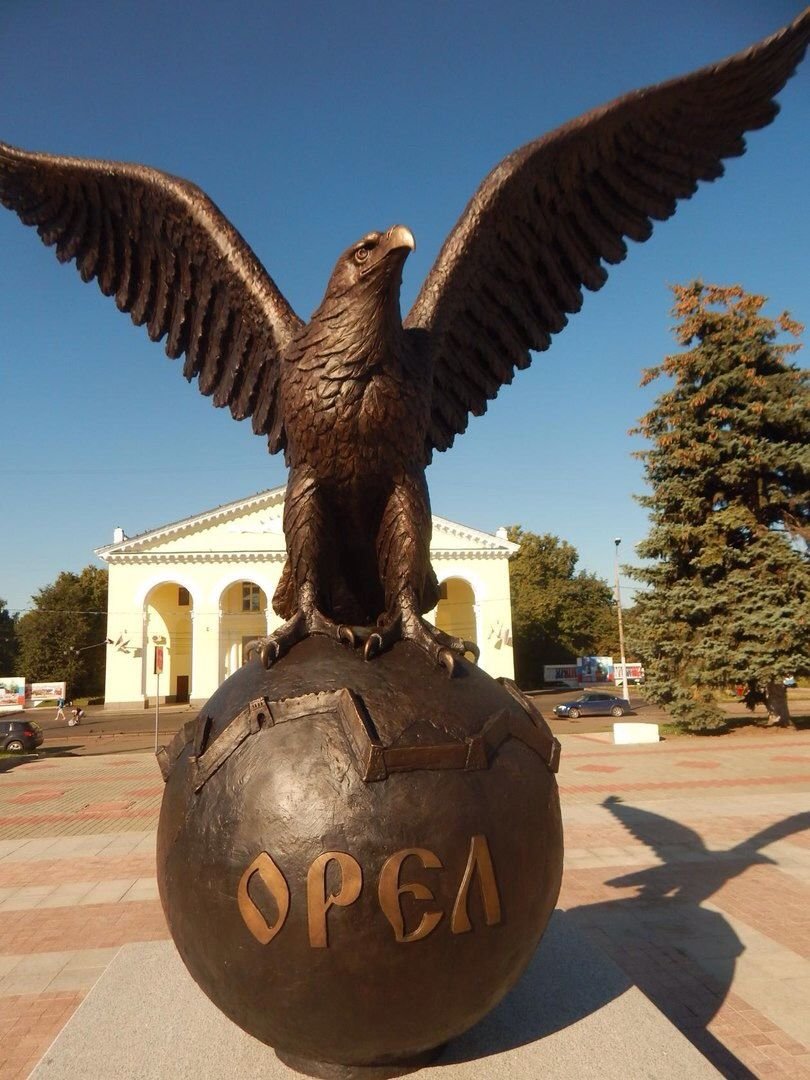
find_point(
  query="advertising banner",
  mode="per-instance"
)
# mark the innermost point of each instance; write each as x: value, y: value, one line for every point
x: 594, y: 669
x: 635, y: 673
x: 561, y: 673
x: 38, y: 692
x: 12, y: 693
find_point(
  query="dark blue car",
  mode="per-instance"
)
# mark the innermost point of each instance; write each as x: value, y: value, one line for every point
x: 594, y: 703
x: 17, y: 736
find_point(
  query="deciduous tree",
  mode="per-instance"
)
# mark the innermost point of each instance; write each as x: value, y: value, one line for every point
x: 8, y: 641
x: 557, y: 613
x: 63, y: 636
x: 728, y: 468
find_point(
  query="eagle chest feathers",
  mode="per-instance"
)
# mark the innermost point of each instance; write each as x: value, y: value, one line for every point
x: 356, y: 412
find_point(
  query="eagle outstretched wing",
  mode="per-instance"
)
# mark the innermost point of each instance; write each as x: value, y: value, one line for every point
x: 170, y: 258
x: 546, y: 218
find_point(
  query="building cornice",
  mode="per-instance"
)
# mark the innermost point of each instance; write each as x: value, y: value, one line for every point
x: 465, y: 532
x: 184, y: 558
x: 163, y: 558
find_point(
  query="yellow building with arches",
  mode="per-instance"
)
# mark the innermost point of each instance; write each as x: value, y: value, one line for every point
x: 196, y: 591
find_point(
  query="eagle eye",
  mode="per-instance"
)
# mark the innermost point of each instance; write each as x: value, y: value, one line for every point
x: 361, y: 254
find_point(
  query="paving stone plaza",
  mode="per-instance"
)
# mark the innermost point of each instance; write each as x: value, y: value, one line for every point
x: 687, y: 862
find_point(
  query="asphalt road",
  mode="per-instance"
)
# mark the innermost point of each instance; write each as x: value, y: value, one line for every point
x: 106, y: 731
x: 545, y: 700
x: 103, y: 730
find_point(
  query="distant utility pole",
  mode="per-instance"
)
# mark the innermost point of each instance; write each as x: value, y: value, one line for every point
x: 617, y: 540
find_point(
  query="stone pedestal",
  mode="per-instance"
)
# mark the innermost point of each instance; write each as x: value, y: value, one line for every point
x: 573, y: 1015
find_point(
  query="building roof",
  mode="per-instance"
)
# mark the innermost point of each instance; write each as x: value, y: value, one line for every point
x: 447, y: 535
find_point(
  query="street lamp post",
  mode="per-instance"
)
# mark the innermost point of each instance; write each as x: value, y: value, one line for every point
x: 617, y: 540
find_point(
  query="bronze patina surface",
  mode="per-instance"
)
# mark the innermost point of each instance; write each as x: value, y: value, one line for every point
x: 357, y: 875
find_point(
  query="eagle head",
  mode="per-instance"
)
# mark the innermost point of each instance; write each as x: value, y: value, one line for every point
x: 373, y: 265
x: 359, y: 314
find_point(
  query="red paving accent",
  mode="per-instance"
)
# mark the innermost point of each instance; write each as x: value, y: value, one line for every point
x: 47, y: 819
x: 682, y: 747
x: 599, y: 768
x: 145, y: 792
x: 35, y: 796
x: 772, y: 902
x: 28, y: 1025
x: 659, y: 785
x: 111, y: 806
x: 92, y: 926
x: 717, y: 833
x: 803, y: 760
x: 77, y: 868
x: 698, y: 764
x: 9, y: 781
x: 80, y: 779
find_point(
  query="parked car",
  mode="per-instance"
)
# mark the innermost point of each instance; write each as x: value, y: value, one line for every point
x: 20, y: 735
x: 594, y: 703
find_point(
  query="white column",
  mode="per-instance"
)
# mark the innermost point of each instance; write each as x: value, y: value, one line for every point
x: 205, y: 658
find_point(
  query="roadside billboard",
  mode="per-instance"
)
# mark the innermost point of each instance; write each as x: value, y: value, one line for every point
x: 560, y: 673
x: 12, y: 693
x: 37, y: 692
x: 635, y: 673
x: 594, y: 669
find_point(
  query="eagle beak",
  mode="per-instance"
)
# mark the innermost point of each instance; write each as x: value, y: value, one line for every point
x: 398, y: 236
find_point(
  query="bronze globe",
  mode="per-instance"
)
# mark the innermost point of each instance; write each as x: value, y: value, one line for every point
x: 357, y: 860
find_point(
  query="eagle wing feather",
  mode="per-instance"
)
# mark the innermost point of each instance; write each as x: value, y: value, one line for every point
x: 546, y: 219
x: 170, y: 258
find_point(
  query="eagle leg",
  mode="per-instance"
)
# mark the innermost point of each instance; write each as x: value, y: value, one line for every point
x: 306, y: 620
x: 406, y: 625
x: 311, y: 562
x: 403, y: 551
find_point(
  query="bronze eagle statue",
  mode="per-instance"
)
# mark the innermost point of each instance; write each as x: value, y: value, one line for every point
x: 357, y: 398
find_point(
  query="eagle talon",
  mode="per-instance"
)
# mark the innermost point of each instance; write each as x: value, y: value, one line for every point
x: 269, y: 653
x: 447, y: 660
x: 373, y: 646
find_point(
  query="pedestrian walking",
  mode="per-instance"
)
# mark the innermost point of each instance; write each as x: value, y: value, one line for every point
x: 60, y: 709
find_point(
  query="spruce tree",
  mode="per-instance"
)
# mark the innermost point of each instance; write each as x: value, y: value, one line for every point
x: 728, y: 467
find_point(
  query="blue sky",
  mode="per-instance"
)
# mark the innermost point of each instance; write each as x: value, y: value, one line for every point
x: 310, y: 124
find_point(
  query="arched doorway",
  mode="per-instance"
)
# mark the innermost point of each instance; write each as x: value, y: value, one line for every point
x: 455, y: 613
x: 243, y: 617
x: 168, y: 609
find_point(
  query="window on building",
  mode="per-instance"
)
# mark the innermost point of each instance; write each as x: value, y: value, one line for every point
x: 183, y: 597
x: 251, y: 596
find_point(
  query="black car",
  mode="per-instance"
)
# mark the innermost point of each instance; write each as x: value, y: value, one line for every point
x: 594, y: 703
x: 20, y: 735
